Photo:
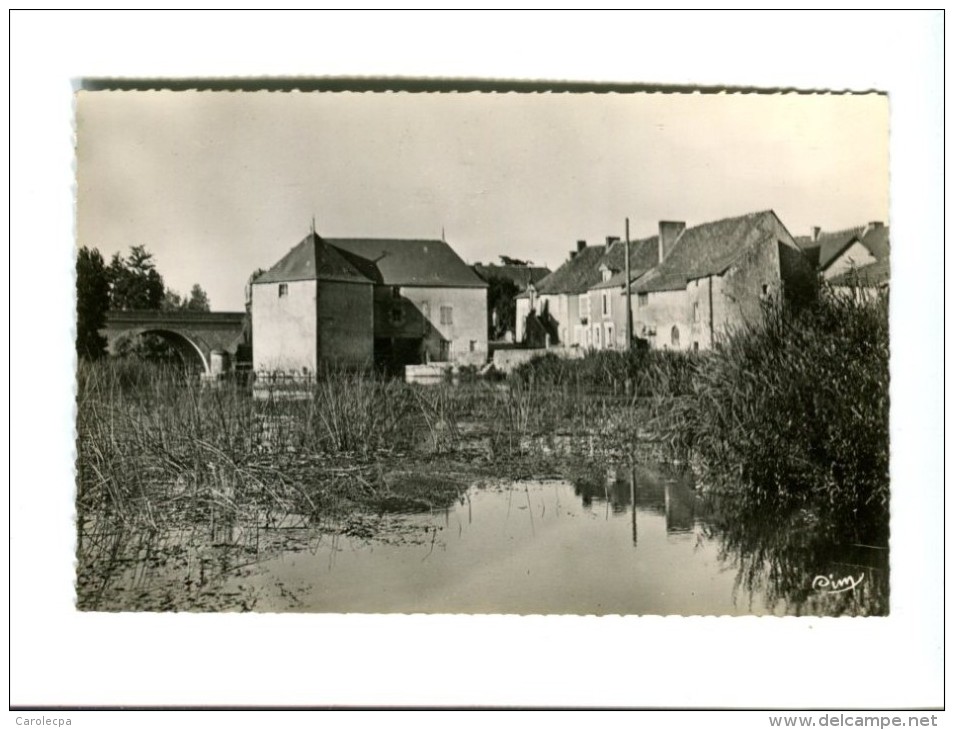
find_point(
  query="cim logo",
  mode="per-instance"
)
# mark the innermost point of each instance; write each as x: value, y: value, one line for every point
x: 830, y: 584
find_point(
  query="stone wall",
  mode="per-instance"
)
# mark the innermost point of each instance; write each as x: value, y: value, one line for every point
x: 662, y: 316
x: 345, y: 325
x: 458, y: 316
x: 285, y: 327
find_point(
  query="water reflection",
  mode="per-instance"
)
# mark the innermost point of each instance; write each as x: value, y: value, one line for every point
x: 627, y: 538
x: 812, y: 563
x: 649, y: 489
x: 794, y: 560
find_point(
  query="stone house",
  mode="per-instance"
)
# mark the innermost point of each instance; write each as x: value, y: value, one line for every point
x: 835, y: 252
x: 716, y: 276
x: 865, y: 282
x: 867, y: 279
x: 553, y: 310
x: 606, y: 305
x: 313, y: 308
x: 348, y: 302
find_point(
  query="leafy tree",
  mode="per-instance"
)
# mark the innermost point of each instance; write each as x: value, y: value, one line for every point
x: 171, y: 301
x: 134, y: 281
x: 92, y: 301
x: 198, y: 300
x: 501, y: 301
x: 147, y: 347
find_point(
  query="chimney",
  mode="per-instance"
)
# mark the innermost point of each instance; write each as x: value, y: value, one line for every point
x: 669, y: 232
x: 872, y: 225
x: 816, y: 232
x: 580, y: 245
x: 610, y: 240
x: 572, y: 254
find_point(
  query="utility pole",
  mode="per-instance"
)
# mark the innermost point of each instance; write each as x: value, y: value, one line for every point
x: 629, y: 300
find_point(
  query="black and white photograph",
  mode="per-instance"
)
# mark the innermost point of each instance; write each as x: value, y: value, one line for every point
x: 524, y: 353
x: 456, y: 360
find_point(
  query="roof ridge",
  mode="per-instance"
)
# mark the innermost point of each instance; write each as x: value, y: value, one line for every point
x: 382, y: 238
x: 726, y: 219
x: 312, y: 259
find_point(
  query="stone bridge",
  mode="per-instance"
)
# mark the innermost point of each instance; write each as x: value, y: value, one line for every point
x: 194, y: 335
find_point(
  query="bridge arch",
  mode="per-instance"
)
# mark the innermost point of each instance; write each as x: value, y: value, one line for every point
x: 194, y: 335
x: 191, y: 352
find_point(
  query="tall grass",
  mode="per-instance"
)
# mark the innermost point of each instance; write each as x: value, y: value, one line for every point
x: 161, y: 458
x: 357, y: 412
x: 795, y: 410
x: 636, y: 372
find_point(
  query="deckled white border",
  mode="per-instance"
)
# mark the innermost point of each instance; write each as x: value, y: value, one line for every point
x: 59, y: 656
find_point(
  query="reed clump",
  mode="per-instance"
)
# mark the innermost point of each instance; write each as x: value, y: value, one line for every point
x: 639, y: 372
x: 357, y: 412
x: 794, y: 410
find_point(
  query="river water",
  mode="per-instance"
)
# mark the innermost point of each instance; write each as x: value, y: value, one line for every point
x: 632, y: 540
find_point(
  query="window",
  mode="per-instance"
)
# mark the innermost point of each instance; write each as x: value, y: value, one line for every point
x: 695, y: 346
x: 596, y: 336
x: 695, y: 311
x: 605, y: 305
x: 473, y: 345
x: 674, y: 337
x: 283, y: 290
x: 642, y: 299
x: 610, y: 337
x: 395, y: 292
x: 447, y: 315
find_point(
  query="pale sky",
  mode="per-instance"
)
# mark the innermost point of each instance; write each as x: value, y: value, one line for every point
x: 217, y: 184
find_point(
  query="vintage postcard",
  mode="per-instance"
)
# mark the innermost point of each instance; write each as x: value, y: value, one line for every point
x: 483, y: 353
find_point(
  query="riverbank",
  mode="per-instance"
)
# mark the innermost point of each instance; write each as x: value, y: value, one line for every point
x: 788, y: 420
x: 165, y: 467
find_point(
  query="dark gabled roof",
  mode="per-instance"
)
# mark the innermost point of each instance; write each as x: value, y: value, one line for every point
x: 522, y: 276
x: 708, y: 249
x: 660, y: 280
x: 643, y: 255
x: 872, y: 275
x: 878, y: 241
x: 407, y: 262
x: 828, y: 246
x: 312, y: 258
x: 577, y: 275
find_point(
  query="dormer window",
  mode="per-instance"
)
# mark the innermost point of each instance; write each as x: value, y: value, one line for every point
x: 282, y: 290
x: 606, y: 272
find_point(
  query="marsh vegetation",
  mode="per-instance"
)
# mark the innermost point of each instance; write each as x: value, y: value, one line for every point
x: 185, y: 492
